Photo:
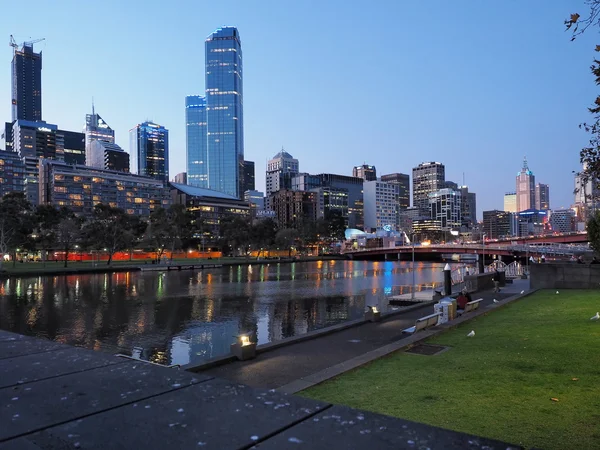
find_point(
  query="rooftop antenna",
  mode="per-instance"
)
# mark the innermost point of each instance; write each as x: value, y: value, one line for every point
x: 93, y: 110
x: 525, y: 166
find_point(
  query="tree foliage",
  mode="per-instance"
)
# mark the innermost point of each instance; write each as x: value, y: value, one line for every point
x: 16, y: 224
x: 593, y: 230
x: 110, y: 230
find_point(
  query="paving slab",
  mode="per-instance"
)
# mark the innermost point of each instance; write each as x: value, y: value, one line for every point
x: 39, y: 366
x: 9, y: 348
x: 215, y: 414
x: 18, y: 444
x: 348, y: 428
x: 9, y: 336
x: 33, y: 406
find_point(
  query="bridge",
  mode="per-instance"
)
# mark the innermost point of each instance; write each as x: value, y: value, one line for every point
x: 505, y: 249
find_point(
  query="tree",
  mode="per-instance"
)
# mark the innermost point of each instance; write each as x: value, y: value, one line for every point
x: 68, y: 231
x: 593, y: 230
x: 46, y: 219
x: 287, y: 238
x: 16, y: 224
x: 108, y: 229
x: 262, y: 234
x: 234, y: 233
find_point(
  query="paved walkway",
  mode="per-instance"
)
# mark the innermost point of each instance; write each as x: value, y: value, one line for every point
x: 53, y: 396
x: 294, y: 362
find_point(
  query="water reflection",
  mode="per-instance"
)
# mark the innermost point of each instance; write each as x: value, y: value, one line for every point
x: 181, y: 317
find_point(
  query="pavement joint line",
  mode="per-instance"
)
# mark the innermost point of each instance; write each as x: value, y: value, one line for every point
x: 2, y: 358
x: 360, y: 360
x: 58, y: 376
x: 264, y: 348
x: 285, y: 428
x: 85, y: 416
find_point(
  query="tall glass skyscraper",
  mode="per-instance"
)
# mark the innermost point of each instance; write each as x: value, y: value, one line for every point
x: 149, y: 150
x: 27, y: 84
x: 224, y: 112
x: 195, y: 121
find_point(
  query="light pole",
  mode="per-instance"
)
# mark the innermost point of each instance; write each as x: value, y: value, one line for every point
x: 483, y: 253
x: 412, y: 242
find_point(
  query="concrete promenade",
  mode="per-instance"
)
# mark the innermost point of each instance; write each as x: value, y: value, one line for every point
x: 287, y: 367
x: 53, y: 396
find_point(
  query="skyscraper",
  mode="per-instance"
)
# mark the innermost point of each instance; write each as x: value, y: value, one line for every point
x: 525, y: 188
x: 366, y: 172
x: 510, y: 202
x: 195, y: 139
x: 149, y: 150
x: 249, y: 179
x: 224, y: 112
x: 26, y: 83
x: 428, y: 177
x: 280, y: 171
x: 96, y: 129
x: 403, y: 181
x: 542, y: 196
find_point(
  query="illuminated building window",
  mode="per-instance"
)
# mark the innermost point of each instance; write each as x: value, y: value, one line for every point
x: 139, y: 200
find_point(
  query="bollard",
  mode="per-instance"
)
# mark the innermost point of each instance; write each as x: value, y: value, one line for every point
x: 447, y: 280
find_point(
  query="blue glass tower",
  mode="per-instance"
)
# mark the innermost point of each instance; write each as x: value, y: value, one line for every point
x: 224, y: 112
x: 195, y: 121
x: 149, y: 150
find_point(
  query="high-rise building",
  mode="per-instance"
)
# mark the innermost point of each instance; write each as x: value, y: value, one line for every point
x: 406, y: 218
x: 195, y: 139
x: 280, y: 171
x: 26, y: 84
x: 180, y: 178
x: 446, y: 208
x: 468, y: 207
x: 80, y: 188
x: 249, y: 183
x: 451, y: 185
x: 256, y: 198
x: 7, y: 136
x: 403, y: 181
x: 295, y: 208
x: 366, y: 172
x: 96, y: 129
x: 224, y: 112
x: 74, y: 146
x: 12, y: 173
x: 562, y: 220
x: 428, y: 177
x: 510, y: 202
x: 108, y: 156
x: 381, y: 206
x: 542, y: 196
x: 525, y: 188
x: 149, y: 150
x: 498, y: 224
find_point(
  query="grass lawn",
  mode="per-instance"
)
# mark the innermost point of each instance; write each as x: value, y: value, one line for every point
x: 500, y: 383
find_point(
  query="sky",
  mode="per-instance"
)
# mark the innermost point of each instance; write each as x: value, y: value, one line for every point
x: 474, y: 85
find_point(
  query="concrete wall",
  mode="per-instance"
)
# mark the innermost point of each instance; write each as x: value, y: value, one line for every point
x: 564, y: 276
x: 482, y: 282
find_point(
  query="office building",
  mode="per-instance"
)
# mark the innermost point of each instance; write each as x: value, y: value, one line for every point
x: 108, y: 156
x: 428, y: 177
x: 208, y: 207
x: 180, y: 178
x: 406, y: 218
x: 96, y: 129
x: 525, y: 188
x: 468, y: 207
x: 73, y: 146
x: 510, y: 202
x: 403, y: 181
x: 149, y: 151
x: 196, y: 141
x: 542, y: 196
x: 80, y: 188
x: 366, y: 172
x: 12, y: 173
x: 293, y: 209
x: 497, y: 224
x: 280, y: 171
x: 451, y: 185
x: 7, y: 136
x: 353, y: 186
x: 381, y: 206
x: 249, y: 182
x: 532, y: 222
x: 26, y: 83
x: 562, y: 220
x: 446, y: 208
x: 224, y: 112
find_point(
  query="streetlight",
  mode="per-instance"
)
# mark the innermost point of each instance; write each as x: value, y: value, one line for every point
x: 483, y: 253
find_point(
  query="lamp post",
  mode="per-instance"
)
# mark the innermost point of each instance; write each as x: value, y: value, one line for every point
x: 412, y: 242
x: 483, y: 253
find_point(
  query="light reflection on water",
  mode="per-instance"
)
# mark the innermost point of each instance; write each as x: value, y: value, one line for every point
x: 180, y: 317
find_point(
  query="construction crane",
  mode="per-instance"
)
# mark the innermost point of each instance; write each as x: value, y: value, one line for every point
x: 14, y: 44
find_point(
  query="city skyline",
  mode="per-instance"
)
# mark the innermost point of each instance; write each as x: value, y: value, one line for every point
x: 523, y: 99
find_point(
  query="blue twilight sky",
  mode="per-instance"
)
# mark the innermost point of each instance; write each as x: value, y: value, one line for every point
x: 476, y: 85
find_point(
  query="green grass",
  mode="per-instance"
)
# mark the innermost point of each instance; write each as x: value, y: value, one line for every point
x: 498, y: 384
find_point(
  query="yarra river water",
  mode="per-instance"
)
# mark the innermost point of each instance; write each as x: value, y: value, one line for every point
x: 189, y: 316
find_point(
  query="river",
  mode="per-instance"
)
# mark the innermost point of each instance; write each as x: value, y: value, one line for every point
x: 178, y: 317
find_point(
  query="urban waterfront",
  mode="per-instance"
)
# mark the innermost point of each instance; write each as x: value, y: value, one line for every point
x: 179, y: 317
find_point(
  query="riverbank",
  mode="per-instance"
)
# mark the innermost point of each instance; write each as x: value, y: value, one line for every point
x: 88, y: 267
